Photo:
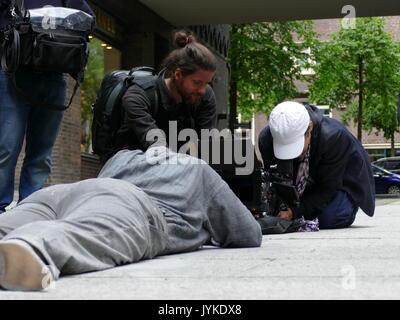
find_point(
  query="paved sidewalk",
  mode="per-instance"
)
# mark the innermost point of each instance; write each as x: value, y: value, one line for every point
x: 361, y: 262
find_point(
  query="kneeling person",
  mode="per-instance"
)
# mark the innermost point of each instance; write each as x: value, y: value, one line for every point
x: 333, y: 174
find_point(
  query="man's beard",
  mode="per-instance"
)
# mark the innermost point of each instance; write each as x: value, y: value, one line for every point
x: 187, y: 97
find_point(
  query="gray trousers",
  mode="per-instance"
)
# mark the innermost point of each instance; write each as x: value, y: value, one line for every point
x: 86, y: 226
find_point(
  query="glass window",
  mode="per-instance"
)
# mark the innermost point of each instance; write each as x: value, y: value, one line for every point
x: 384, y: 164
x: 392, y: 165
x: 103, y: 58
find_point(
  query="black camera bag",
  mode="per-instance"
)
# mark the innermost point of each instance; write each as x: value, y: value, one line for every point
x: 43, y: 52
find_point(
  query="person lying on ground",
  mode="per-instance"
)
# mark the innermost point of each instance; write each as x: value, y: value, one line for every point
x: 142, y: 205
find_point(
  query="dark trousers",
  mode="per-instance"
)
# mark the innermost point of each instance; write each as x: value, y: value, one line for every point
x: 39, y: 126
x: 340, y: 213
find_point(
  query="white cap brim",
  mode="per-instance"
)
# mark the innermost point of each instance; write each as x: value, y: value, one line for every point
x: 289, y: 151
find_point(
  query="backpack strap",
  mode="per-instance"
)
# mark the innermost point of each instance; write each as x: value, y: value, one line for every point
x: 115, y: 93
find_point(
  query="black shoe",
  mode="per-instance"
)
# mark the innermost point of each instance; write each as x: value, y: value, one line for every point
x: 275, y: 225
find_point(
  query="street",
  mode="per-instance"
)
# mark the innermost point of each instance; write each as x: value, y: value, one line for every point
x: 360, y: 262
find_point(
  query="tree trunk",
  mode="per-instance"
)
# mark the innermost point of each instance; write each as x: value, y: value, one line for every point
x: 360, y: 98
x: 233, y: 86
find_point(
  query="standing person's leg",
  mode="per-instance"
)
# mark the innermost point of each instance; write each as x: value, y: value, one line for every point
x: 13, y: 118
x: 42, y: 129
x: 104, y: 223
x: 340, y: 213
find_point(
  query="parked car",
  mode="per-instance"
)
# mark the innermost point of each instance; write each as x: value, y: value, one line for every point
x: 391, y: 164
x: 386, y: 181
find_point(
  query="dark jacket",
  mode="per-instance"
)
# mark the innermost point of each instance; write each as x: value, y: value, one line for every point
x: 338, y: 161
x: 140, y: 115
x: 33, y: 4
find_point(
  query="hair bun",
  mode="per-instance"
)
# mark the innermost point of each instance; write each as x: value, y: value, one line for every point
x: 182, y: 38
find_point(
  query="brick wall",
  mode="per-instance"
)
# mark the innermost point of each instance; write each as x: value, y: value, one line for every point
x: 393, y: 26
x: 328, y: 26
x: 66, y: 153
x: 325, y: 27
x: 367, y: 138
x: 90, y: 166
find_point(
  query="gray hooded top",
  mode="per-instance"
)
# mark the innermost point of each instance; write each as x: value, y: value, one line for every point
x: 198, y: 205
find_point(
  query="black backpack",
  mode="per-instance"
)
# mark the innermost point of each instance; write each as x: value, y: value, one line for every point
x: 107, y: 110
x: 28, y: 42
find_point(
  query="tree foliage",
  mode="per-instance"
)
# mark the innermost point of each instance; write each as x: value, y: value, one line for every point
x: 266, y: 59
x: 94, y: 74
x: 360, y: 68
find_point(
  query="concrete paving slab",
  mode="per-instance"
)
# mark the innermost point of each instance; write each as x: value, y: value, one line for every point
x: 360, y: 262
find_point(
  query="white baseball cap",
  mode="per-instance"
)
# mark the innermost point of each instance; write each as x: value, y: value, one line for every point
x: 288, y: 123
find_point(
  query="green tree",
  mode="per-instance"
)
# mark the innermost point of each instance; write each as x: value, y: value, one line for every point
x: 265, y: 60
x: 94, y: 74
x: 360, y: 68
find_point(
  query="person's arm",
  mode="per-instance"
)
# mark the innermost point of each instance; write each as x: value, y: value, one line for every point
x: 329, y: 176
x: 229, y: 222
x: 137, y: 115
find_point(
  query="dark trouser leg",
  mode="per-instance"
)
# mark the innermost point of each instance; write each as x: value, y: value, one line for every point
x: 42, y: 129
x: 340, y: 213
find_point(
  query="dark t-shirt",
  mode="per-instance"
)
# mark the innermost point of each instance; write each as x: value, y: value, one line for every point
x: 140, y: 116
